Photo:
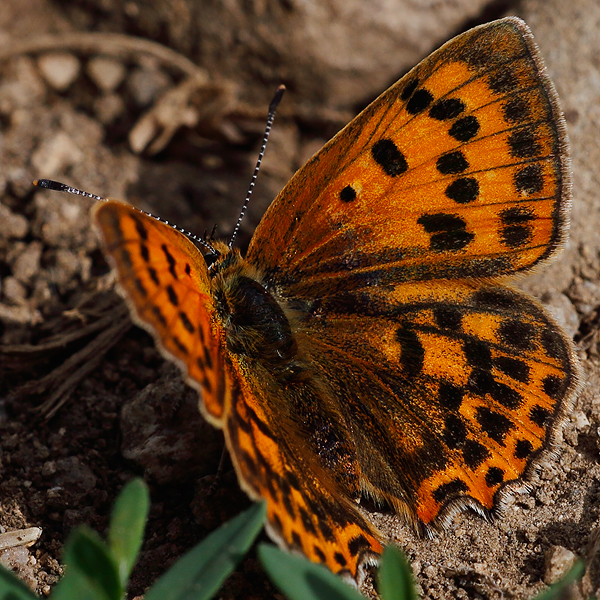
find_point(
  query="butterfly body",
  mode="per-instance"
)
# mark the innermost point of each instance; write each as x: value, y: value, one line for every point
x: 367, y: 345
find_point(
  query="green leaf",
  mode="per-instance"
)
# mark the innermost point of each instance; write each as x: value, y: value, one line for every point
x: 559, y: 590
x: 90, y: 569
x: 395, y: 576
x: 12, y: 588
x: 202, y: 571
x: 127, y: 524
x: 300, y: 579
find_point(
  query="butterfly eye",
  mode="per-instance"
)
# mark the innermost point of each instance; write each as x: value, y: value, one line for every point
x: 211, y: 258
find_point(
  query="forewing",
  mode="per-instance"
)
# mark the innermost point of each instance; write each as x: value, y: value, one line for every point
x: 164, y: 279
x: 458, y: 170
x: 451, y: 391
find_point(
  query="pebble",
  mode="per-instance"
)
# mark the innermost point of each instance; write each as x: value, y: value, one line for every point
x: 56, y: 154
x: 146, y: 85
x: 558, y: 561
x: 59, y: 69
x: 12, y: 225
x: 109, y: 108
x: 27, y: 264
x: 563, y: 311
x: 14, y: 290
x: 106, y: 73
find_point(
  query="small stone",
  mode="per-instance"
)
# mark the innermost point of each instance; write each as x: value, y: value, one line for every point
x: 579, y: 419
x: 147, y: 84
x: 14, y: 291
x: 55, y: 155
x: 106, y: 73
x: 12, y: 225
x: 48, y: 468
x: 558, y: 561
x: 27, y: 264
x: 563, y: 311
x: 59, y: 69
x: 19, y: 560
x: 109, y: 108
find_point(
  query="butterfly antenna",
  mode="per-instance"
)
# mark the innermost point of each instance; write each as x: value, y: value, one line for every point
x: 49, y: 184
x: 271, y: 116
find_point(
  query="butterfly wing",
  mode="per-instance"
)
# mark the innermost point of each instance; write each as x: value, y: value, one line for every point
x: 164, y: 280
x: 290, y: 450
x: 451, y: 391
x: 459, y: 169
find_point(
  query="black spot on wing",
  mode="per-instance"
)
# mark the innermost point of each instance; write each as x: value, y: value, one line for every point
x: 516, y: 230
x: 447, y: 490
x: 455, y: 432
x: 513, y: 367
x: 389, y: 158
x: 173, y: 299
x: 447, y: 231
x: 140, y: 228
x: 517, y: 334
x: 554, y: 387
x: 348, y: 194
x: 412, y: 353
x: 357, y: 544
x: 452, y: 163
x: 523, y: 449
x: 529, y: 179
x: 450, y: 395
x: 463, y: 190
x: 465, y: 129
x: 448, y: 317
x: 493, y: 423
x: 170, y: 260
x: 516, y: 109
x: 502, y: 81
x: 474, y: 454
x: 153, y: 275
x: 494, y: 476
x: 419, y: 102
x: 449, y: 108
x: 524, y: 143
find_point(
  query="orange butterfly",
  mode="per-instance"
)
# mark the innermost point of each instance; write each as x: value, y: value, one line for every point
x: 365, y: 346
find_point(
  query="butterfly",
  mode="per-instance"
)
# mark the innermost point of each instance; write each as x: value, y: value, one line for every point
x: 367, y: 346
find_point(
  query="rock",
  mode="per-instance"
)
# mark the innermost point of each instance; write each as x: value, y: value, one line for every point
x: 562, y: 310
x: 558, y: 561
x: 106, y: 73
x: 164, y: 432
x: 59, y: 69
x: 27, y: 264
x: 56, y: 154
x: 12, y: 225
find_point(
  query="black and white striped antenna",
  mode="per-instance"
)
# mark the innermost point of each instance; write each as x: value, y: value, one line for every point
x: 50, y: 184
x: 270, y: 118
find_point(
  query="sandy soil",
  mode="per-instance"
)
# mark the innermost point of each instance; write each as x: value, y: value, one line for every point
x: 84, y: 101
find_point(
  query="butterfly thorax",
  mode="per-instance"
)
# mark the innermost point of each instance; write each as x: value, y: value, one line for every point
x: 255, y: 323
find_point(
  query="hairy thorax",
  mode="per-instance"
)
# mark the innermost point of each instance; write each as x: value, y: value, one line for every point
x: 255, y: 322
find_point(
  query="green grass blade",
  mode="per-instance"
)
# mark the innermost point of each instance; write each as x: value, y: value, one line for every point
x: 559, y: 590
x: 90, y: 569
x: 12, y: 588
x: 300, y: 579
x: 395, y: 576
x: 202, y: 571
x: 127, y: 524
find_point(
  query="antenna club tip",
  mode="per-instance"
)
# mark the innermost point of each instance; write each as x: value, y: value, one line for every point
x: 277, y: 98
